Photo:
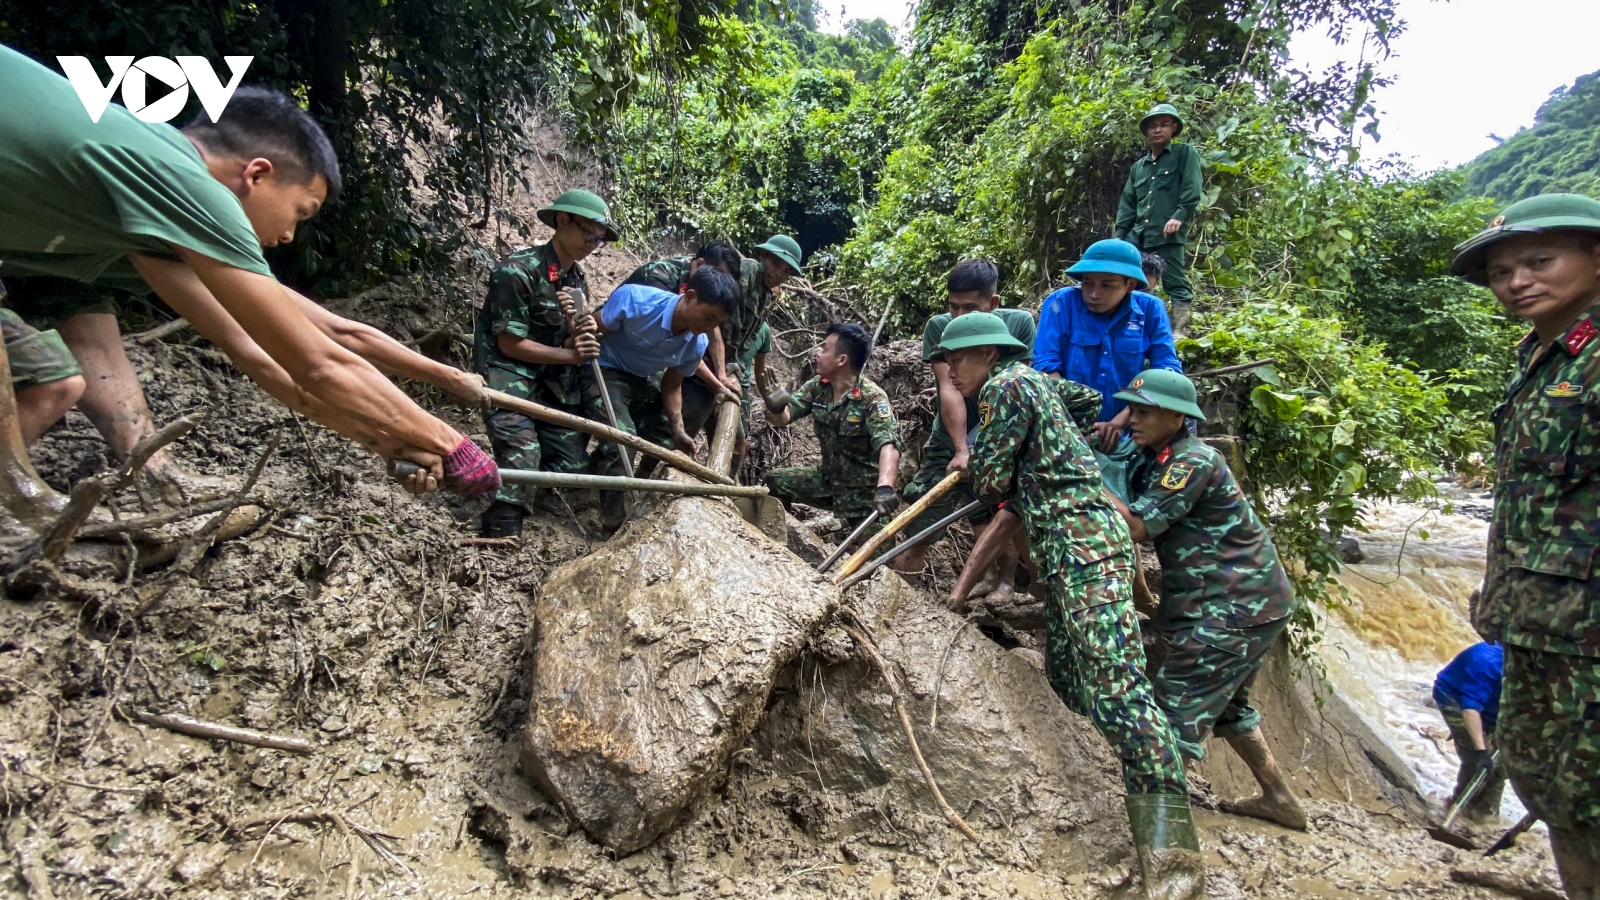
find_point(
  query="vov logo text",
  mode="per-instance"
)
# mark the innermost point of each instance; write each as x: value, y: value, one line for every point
x: 179, y: 73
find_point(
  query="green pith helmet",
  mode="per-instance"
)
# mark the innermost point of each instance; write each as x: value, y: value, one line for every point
x: 1164, y: 388
x: 585, y: 204
x: 1112, y: 257
x: 1535, y: 215
x: 1163, y: 109
x: 785, y: 248
x: 979, y: 329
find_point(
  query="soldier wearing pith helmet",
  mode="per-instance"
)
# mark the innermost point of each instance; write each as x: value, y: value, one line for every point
x: 1159, y: 202
x: 1541, y: 596
x: 1225, y: 595
x: 1032, y: 461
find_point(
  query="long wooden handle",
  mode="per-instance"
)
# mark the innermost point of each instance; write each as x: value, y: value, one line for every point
x: 600, y: 430
x: 893, y: 528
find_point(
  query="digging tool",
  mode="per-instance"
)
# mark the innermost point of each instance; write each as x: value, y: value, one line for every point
x: 845, y: 545
x: 1509, y: 839
x: 893, y: 528
x: 400, y: 470
x: 1442, y: 832
x: 599, y: 379
x: 867, y: 570
x: 680, y: 461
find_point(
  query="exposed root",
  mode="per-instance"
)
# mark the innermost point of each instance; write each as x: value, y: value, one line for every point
x: 859, y: 632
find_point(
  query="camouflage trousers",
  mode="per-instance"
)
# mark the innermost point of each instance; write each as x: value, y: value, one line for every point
x: 637, y: 403
x: 520, y: 442
x: 1550, y: 731
x: 1204, y: 682
x: 809, y: 485
x: 1486, y: 804
x: 36, y: 357
x: 936, y: 456
x: 1095, y: 663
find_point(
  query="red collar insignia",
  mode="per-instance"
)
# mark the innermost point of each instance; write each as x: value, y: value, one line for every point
x: 554, y: 273
x: 1166, y: 454
x: 683, y: 286
x: 856, y: 393
x: 1580, y: 336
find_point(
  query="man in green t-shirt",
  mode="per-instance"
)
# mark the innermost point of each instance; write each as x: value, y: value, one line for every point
x: 122, y: 201
x: 972, y: 286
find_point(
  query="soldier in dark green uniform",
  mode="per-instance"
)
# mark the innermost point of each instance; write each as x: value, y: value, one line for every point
x: 774, y: 263
x: 972, y: 286
x: 525, y: 347
x: 672, y: 274
x: 1225, y: 596
x: 855, y: 429
x: 1032, y: 457
x: 1158, y: 203
x: 1541, y: 595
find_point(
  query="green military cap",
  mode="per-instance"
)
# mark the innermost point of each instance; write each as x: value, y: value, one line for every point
x: 1163, y: 388
x: 1535, y: 215
x: 1112, y: 257
x: 585, y: 204
x: 785, y: 248
x: 979, y: 329
x: 1163, y: 109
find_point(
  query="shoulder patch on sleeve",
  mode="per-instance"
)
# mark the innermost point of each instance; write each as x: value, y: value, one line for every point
x: 884, y: 409
x: 1177, y: 476
x: 985, y: 414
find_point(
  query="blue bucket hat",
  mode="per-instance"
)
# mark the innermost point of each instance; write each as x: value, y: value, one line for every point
x: 1111, y: 257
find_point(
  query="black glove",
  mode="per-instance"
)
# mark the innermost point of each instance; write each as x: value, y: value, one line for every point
x: 885, y: 501
x: 1475, y: 761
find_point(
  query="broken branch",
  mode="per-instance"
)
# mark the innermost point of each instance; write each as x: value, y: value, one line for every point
x: 858, y: 632
x: 212, y: 731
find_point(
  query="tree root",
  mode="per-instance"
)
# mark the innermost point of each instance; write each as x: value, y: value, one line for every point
x: 382, y: 845
x: 859, y: 633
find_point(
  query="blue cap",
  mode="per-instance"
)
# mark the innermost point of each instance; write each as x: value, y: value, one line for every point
x: 1111, y: 257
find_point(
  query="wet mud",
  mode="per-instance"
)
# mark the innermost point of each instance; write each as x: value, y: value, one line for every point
x: 353, y: 618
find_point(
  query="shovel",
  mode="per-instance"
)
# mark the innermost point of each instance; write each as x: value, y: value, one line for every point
x: 1510, y: 837
x: 1442, y: 832
x: 578, y: 299
x: 860, y: 530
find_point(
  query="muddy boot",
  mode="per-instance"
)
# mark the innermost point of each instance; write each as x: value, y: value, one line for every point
x: 1577, y: 855
x: 501, y: 520
x: 1168, y: 847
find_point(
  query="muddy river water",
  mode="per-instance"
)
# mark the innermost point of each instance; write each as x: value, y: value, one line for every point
x: 1406, y: 618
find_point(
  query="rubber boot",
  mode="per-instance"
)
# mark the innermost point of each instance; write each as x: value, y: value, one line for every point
x: 1577, y: 855
x: 613, y: 510
x: 501, y: 520
x: 1179, y: 314
x: 1168, y: 847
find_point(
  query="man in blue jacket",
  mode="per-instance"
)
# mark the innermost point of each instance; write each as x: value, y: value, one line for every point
x: 1468, y: 693
x: 1105, y: 332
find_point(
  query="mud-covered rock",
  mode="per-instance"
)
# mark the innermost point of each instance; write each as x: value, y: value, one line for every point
x: 1006, y: 752
x: 655, y: 657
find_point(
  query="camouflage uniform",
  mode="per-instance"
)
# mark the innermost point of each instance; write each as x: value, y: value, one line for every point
x: 522, y: 302
x: 637, y: 403
x: 1541, y: 597
x: 939, y: 449
x: 1029, y: 456
x: 741, y: 332
x: 851, y: 433
x: 37, y: 357
x: 1225, y: 596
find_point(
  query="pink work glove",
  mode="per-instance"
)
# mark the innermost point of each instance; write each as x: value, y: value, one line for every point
x: 468, y: 470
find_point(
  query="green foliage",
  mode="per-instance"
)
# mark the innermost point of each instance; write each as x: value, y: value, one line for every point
x: 1561, y: 152
x: 425, y: 102
x: 1335, y: 423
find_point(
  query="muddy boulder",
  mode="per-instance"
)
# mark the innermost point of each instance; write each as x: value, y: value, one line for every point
x: 1006, y: 752
x: 654, y: 658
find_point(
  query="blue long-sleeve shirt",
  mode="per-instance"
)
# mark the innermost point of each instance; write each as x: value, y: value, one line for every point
x: 1107, y: 351
x: 1472, y: 681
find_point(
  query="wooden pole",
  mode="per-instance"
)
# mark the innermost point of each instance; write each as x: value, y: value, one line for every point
x: 599, y: 379
x: 605, y: 432
x: 893, y: 528
x: 643, y: 485
x: 725, y: 437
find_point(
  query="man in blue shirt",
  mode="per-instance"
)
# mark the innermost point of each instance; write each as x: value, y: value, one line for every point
x: 650, y: 341
x: 1104, y: 333
x: 1468, y: 693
